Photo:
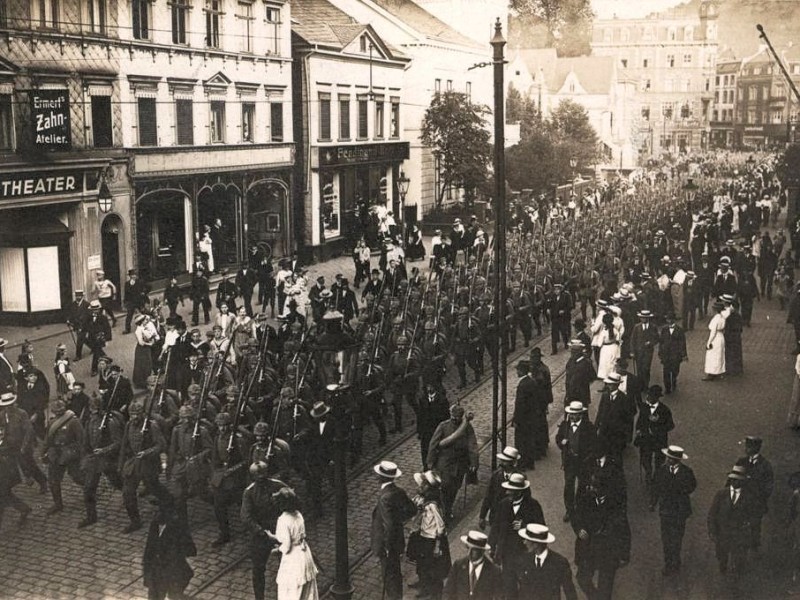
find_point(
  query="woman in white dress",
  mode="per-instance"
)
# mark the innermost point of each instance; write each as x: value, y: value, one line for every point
x: 715, y: 347
x: 610, y: 348
x: 297, y: 575
x: 206, y: 246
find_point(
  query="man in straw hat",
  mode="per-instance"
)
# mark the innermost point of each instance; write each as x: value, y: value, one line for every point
x: 513, y: 512
x: 391, y: 511
x: 579, y: 374
x: 760, y: 480
x: 98, y: 332
x: 576, y: 439
x: 15, y: 432
x: 644, y: 340
x: 673, y: 485
x: 730, y: 521
x: 495, y: 492
x: 540, y: 570
x: 475, y: 576
x: 614, y: 418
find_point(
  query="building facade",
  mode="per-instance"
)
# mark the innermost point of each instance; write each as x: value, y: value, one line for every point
x: 60, y: 152
x: 725, y: 99
x: 206, y: 97
x: 766, y: 112
x: 672, y: 57
x: 348, y: 111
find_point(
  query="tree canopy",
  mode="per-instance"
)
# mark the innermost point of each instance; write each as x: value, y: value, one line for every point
x: 456, y: 130
x: 566, y: 25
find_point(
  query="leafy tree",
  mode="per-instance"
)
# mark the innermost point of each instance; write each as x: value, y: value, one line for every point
x: 514, y: 104
x: 456, y: 131
x: 566, y: 24
x: 569, y: 124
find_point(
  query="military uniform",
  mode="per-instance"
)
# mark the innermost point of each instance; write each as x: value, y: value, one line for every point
x: 102, y: 438
x: 188, y: 464
x: 139, y: 460
x: 62, y: 447
x: 228, y: 477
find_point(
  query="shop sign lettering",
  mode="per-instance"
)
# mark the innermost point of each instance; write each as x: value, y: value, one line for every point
x: 50, y: 119
x: 28, y: 184
x: 359, y: 154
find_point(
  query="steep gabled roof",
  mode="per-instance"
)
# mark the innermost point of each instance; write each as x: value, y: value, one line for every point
x: 541, y: 60
x: 595, y: 73
x: 418, y: 18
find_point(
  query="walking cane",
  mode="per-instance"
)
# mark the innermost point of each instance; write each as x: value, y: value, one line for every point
x: 72, y: 335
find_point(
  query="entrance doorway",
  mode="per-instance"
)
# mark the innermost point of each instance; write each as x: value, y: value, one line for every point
x: 161, y: 239
x: 266, y: 216
x: 218, y: 210
x: 111, y: 238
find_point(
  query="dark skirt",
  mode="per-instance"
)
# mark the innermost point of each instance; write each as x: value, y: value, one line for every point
x: 142, y: 365
x: 734, y: 362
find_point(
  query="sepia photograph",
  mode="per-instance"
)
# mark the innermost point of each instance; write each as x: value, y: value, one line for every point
x: 399, y: 299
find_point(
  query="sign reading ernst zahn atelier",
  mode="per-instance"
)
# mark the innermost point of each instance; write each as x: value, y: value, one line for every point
x: 50, y: 119
x: 26, y: 185
x: 359, y: 154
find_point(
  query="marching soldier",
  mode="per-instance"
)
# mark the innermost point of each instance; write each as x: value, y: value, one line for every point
x: 402, y: 373
x: 229, y: 474
x: 102, y: 438
x: 139, y: 460
x: 466, y: 339
x: 372, y: 404
x: 188, y: 457
x: 259, y: 515
x: 62, y: 449
x: 560, y: 316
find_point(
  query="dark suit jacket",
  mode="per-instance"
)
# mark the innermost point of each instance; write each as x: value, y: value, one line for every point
x: 136, y: 293
x: 761, y: 481
x: 652, y: 434
x: 7, y: 379
x: 613, y: 421
x: 245, y: 282
x: 488, y: 586
x: 393, y: 508
x: 543, y: 583
x: 671, y: 492
x: 643, y: 343
x: 578, y: 380
x: 576, y: 457
x: 672, y: 348
x: 730, y: 523
x: 430, y: 414
x: 495, y: 492
x: 320, y: 447
x: 503, y: 537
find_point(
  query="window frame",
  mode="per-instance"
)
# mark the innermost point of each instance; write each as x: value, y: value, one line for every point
x: 94, y: 121
x: 214, y: 18
x: 276, y: 133
x: 273, y: 27
x: 245, y: 21
x: 140, y: 100
x: 394, y: 118
x: 216, y: 121
x: 248, y: 123
x: 182, y: 137
x: 144, y: 29
x: 345, y: 122
x: 179, y: 16
x: 362, y: 116
x: 8, y: 101
x: 379, y: 117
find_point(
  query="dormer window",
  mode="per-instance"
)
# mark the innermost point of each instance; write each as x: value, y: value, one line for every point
x: 363, y: 43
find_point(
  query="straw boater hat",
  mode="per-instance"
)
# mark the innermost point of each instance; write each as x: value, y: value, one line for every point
x: 613, y: 378
x: 95, y: 305
x: 387, y: 469
x: 675, y: 452
x: 8, y: 398
x: 476, y: 540
x: 739, y: 473
x: 516, y: 481
x: 319, y: 410
x: 430, y: 477
x: 727, y: 298
x: 575, y: 408
x: 534, y: 532
x: 509, y: 454
x: 139, y: 319
x: 644, y: 314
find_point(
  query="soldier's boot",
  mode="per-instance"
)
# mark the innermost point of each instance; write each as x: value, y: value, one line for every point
x: 58, y: 502
x: 221, y: 513
x: 91, y: 517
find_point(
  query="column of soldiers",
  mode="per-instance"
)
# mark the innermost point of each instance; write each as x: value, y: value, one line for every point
x: 223, y: 418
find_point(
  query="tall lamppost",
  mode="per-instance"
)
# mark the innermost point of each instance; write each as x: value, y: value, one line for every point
x: 498, y: 42
x: 402, y: 189
x: 335, y: 357
x: 690, y: 189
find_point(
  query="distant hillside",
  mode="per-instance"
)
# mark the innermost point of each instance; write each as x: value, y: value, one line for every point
x: 738, y: 19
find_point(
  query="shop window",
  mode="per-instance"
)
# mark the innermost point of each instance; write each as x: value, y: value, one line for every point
x: 276, y: 121
x: 6, y: 123
x: 217, y: 122
x: 248, y: 121
x: 96, y: 15
x: 161, y: 235
x: 22, y: 292
x: 325, y: 117
x: 180, y: 16
x: 140, y: 15
x: 379, y: 117
x: 184, y: 121
x: 46, y: 13
x: 330, y: 208
x: 273, y: 19
x: 363, y: 118
x: 102, y: 136
x: 344, y: 117
x: 213, y: 20
x: 245, y: 17
x: 394, y: 132
x: 148, y: 127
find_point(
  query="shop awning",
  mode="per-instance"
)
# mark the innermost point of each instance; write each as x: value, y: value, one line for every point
x: 26, y: 226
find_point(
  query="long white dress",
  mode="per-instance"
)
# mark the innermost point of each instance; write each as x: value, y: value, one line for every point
x: 609, y: 353
x: 297, y: 575
x: 715, y: 357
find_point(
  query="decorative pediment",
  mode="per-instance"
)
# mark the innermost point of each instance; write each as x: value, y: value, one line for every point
x: 217, y: 81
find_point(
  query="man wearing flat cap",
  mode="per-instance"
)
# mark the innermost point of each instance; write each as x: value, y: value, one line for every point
x: 730, y: 522
x: 673, y: 484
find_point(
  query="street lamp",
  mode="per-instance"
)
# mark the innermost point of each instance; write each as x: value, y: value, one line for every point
x: 402, y: 189
x: 335, y: 355
x: 690, y: 189
x: 500, y: 366
x: 104, y: 197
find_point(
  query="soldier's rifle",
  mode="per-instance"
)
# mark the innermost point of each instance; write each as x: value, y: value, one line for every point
x: 109, y: 405
x: 375, y: 345
x: 164, y: 382
x: 201, y: 405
